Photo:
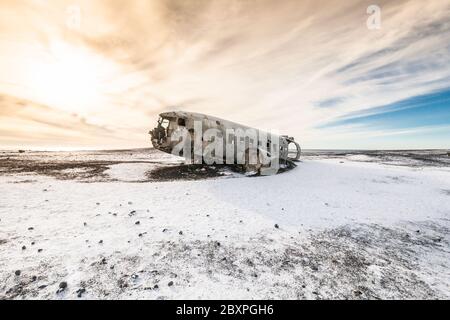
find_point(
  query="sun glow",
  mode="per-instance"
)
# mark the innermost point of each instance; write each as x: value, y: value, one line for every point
x: 69, y: 78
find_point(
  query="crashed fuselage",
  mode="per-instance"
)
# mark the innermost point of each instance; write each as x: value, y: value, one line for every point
x: 238, y: 143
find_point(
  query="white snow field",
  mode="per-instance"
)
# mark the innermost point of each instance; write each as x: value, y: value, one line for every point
x: 332, y: 228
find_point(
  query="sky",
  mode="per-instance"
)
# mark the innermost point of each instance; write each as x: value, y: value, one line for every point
x: 95, y: 74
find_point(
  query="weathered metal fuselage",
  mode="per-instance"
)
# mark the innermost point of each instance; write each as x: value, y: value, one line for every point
x: 171, y: 122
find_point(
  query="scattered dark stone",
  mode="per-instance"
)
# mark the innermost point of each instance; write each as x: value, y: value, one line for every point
x: 39, y: 250
x: 103, y: 261
x: 314, y: 268
x: 240, y: 221
x: 207, y: 215
x: 282, y: 209
x: 84, y: 224
x: 122, y: 284
x: 357, y: 293
x: 101, y: 241
x: 111, y: 267
x: 63, y: 285
x: 32, y: 243
x: 137, y: 222
x: 18, y: 272
x: 170, y: 283
x: 417, y: 231
x: 140, y: 235
x: 132, y: 213
x: 155, y: 286
x: 21, y: 151
x: 437, y: 240
x: 303, y: 286
x: 129, y: 202
x: 326, y: 204
x: 30, y: 228
x: 277, y: 226
x: 218, y: 243
x: 24, y: 247
x: 180, y: 233
x: 33, y: 278
x: 42, y: 286
x: 315, y: 292
x: 80, y: 292
x: 98, y: 203
x: 164, y: 230
x: 114, y: 214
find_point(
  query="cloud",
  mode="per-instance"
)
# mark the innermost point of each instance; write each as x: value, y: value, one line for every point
x: 289, y: 65
x: 27, y: 123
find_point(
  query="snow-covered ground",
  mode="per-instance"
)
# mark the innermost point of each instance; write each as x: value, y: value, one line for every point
x: 334, y: 227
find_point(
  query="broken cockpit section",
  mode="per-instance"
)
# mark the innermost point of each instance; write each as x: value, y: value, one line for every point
x: 203, y: 139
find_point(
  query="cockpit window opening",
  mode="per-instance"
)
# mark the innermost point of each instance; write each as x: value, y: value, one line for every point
x: 164, y: 122
x: 182, y: 122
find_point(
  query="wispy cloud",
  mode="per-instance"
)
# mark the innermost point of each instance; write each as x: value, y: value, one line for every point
x: 295, y: 66
x: 25, y: 123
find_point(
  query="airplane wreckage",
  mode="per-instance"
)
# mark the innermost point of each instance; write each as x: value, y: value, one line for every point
x: 203, y: 139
